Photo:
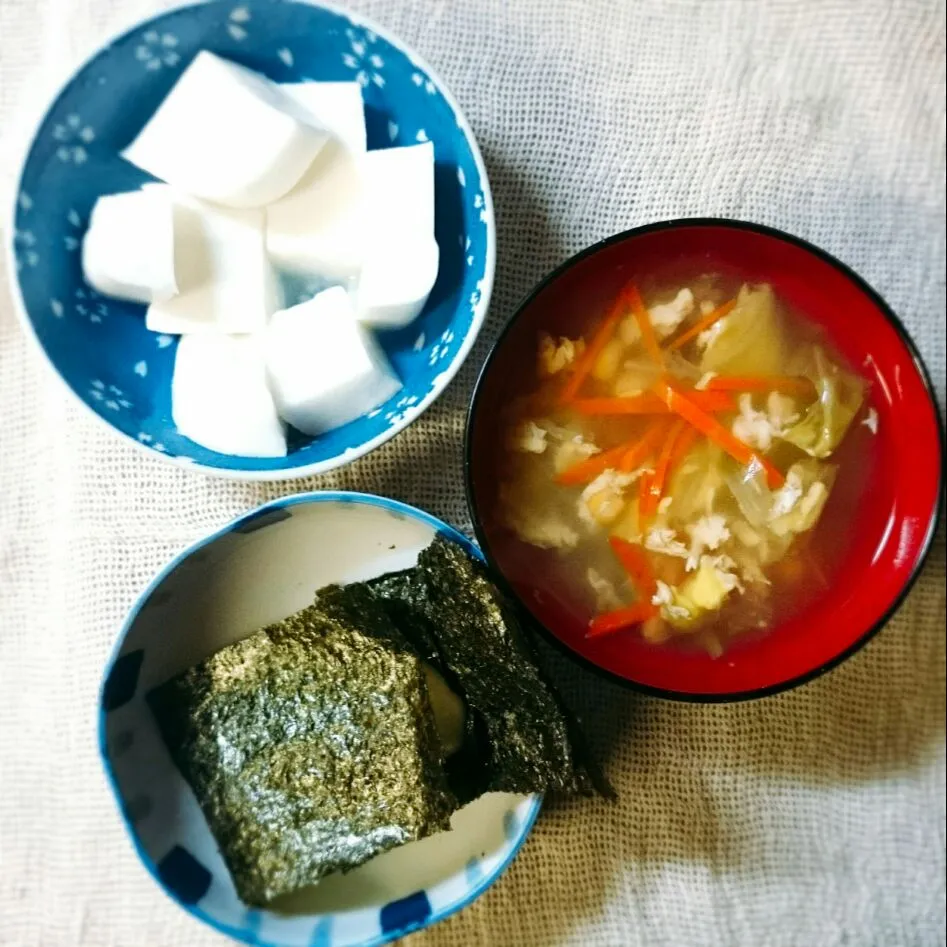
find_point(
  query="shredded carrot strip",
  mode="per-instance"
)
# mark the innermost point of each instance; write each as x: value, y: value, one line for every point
x: 636, y: 454
x: 712, y: 401
x: 701, y: 326
x: 706, y: 424
x: 635, y: 562
x: 650, y: 500
x: 585, y: 471
x: 620, y: 619
x: 587, y: 360
x: 682, y: 446
x: 785, y: 384
x: 648, y: 403
x: 644, y: 323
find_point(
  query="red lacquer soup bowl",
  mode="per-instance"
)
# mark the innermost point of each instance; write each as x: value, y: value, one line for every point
x: 890, y: 521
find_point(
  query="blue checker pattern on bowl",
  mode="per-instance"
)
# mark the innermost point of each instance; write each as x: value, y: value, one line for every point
x: 181, y: 872
x: 122, y: 680
x: 184, y: 876
x: 406, y: 914
x: 100, y: 346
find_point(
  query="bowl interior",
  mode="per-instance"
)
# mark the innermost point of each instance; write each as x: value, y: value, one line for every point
x: 884, y: 526
x: 255, y: 571
x: 101, y: 347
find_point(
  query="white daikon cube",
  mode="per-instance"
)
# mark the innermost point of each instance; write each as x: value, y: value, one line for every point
x: 226, y: 284
x: 220, y: 397
x: 128, y: 250
x: 335, y: 106
x: 325, y: 369
x: 399, y: 255
x: 349, y: 208
x: 228, y: 135
x: 317, y: 229
x: 395, y: 283
x: 399, y: 194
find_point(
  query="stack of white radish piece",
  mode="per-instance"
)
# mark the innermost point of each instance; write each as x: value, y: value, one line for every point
x: 260, y: 179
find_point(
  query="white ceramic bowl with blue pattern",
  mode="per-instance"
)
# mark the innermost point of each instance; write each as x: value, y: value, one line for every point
x: 258, y: 569
x: 100, y: 347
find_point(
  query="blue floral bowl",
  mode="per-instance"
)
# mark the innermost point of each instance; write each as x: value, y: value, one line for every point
x: 256, y: 570
x: 101, y: 348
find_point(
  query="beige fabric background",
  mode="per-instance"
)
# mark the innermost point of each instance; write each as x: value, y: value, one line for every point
x: 813, y: 819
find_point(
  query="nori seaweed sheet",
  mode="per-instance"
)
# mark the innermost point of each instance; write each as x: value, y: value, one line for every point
x: 522, y: 738
x: 386, y: 604
x: 311, y: 747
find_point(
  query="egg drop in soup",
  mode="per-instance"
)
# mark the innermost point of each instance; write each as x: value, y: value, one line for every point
x: 690, y: 458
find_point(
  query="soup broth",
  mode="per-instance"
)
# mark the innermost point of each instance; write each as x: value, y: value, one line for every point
x: 675, y: 460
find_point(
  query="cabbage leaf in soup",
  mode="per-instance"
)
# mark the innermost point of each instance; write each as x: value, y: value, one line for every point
x: 840, y: 396
x: 750, y: 339
x: 798, y: 503
x: 696, y: 485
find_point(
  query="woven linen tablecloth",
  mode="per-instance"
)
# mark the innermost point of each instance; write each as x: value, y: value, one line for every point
x: 810, y: 819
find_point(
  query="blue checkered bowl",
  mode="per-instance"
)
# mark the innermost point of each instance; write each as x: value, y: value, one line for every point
x: 256, y: 570
x: 100, y: 347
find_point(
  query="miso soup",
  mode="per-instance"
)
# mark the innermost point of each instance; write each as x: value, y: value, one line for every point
x: 678, y: 455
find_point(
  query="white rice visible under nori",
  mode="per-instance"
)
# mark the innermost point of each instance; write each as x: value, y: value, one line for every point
x: 527, y: 740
